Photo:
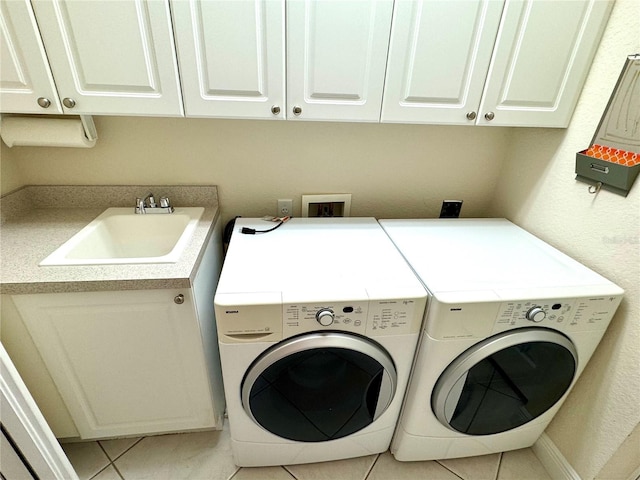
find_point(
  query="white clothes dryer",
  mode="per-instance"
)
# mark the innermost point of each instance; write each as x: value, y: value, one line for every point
x: 510, y: 324
x: 318, y: 322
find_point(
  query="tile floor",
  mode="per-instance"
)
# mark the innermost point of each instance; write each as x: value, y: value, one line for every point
x: 207, y: 456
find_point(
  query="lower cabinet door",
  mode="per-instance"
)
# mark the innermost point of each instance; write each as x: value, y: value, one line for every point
x: 125, y: 363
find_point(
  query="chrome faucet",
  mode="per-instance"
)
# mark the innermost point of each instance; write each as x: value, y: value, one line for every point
x: 150, y: 201
x: 148, y: 205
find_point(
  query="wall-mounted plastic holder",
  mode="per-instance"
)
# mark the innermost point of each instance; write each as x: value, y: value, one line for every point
x: 612, y: 161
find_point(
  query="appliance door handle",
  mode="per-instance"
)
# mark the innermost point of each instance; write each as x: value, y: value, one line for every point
x: 379, y: 394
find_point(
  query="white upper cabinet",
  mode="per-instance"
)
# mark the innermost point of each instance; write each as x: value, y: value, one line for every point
x: 490, y: 62
x: 26, y: 84
x: 336, y: 58
x: 542, y: 57
x: 232, y: 57
x: 457, y: 62
x: 438, y: 60
x: 111, y: 57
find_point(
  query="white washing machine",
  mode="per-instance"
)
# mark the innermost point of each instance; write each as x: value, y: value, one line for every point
x: 511, y: 323
x: 318, y: 322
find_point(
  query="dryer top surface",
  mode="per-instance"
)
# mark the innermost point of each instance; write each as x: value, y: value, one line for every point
x: 318, y: 258
x: 454, y: 255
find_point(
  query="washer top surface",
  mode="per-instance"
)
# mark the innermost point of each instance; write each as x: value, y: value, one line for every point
x: 484, y: 254
x: 316, y: 259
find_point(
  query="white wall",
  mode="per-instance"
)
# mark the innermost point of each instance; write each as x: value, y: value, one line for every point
x: 391, y: 170
x: 537, y: 190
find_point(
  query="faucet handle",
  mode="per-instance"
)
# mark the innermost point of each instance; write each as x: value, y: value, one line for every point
x: 165, y: 202
x: 151, y: 201
x: 139, y: 205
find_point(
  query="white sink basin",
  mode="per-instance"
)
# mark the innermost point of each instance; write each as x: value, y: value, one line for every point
x: 120, y: 236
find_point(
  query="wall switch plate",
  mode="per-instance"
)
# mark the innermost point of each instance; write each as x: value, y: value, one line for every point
x: 285, y: 207
x: 327, y: 205
x: 451, y: 209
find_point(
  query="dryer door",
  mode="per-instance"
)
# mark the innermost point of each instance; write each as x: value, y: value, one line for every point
x: 505, y: 381
x: 319, y: 387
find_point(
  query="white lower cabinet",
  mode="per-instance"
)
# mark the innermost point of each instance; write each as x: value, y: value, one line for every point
x: 125, y: 363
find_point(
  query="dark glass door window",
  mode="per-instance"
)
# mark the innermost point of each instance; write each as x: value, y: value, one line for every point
x: 512, y: 387
x: 317, y: 395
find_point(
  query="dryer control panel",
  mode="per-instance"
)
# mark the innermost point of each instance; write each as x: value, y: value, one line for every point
x: 375, y: 317
x: 574, y: 314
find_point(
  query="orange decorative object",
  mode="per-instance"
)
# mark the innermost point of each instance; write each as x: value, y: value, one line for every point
x: 613, y: 155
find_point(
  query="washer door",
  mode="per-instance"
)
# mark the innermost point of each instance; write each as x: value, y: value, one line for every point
x: 505, y: 381
x: 319, y: 387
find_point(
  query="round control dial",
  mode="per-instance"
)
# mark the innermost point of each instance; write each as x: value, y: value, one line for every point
x: 536, y: 314
x: 325, y: 317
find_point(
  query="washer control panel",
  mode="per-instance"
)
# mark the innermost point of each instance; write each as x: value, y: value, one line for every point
x: 589, y: 313
x: 375, y: 317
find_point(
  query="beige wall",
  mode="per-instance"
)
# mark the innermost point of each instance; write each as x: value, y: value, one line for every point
x: 391, y: 170
x: 10, y: 177
x: 537, y: 190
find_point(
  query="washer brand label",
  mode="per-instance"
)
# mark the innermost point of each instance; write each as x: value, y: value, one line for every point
x: 231, y: 311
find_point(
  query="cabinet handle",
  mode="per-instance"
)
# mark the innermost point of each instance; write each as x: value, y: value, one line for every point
x: 471, y: 115
x: 179, y: 299
x: 275, y: 109
x: 297, y: 110
x: 69, y: 102
x: 489, y: 116
x: 44, y: 102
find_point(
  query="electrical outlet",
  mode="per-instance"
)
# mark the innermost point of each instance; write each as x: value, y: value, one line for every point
x: 285, y: 207
x: 451, y: 209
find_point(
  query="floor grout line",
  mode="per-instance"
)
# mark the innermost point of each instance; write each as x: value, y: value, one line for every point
x: 449, y: 470
x: 373, y: 464
x: 127, y: 449
x: 117, y: 471
x: 499, y: 466
x: 235, y: 473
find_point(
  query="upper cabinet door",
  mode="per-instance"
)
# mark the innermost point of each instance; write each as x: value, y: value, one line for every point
x: 542, y: 56
x: 438, y: 60
x: 26, y: 84
x: 231, y: 56
x: 336, y: 58
x: 111, y: 57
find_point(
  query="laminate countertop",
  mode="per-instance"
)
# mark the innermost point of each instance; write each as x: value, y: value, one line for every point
x: 32, y: 229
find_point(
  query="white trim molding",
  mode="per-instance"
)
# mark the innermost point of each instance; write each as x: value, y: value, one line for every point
x: 28, y: 428
x: 552, y: 459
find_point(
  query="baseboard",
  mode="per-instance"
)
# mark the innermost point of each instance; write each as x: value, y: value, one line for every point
x: 552, y: 459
